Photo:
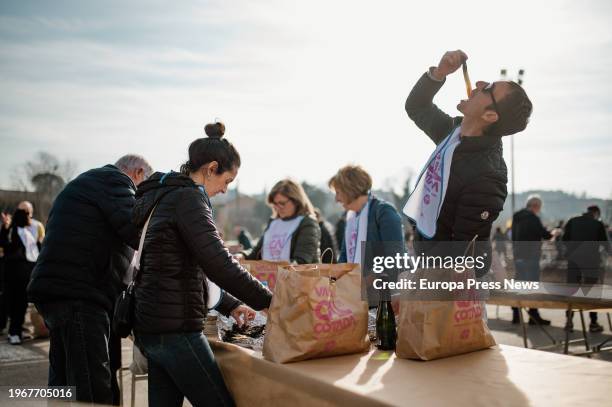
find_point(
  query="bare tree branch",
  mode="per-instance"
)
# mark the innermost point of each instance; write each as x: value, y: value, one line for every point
x: 27, y: 177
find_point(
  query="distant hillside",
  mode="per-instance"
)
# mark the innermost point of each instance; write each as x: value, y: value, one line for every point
x: 558, y: 205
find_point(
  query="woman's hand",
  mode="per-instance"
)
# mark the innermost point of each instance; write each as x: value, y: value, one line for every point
x: 243, y: 315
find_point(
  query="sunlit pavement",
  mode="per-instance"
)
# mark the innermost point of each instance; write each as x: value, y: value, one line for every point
x: 507, y: 333
x: 27, y: 365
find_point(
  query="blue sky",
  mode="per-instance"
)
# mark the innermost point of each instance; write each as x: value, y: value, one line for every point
x: 304, y: 87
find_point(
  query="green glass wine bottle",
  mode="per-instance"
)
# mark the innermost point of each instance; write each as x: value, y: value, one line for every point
x: 385, y: 326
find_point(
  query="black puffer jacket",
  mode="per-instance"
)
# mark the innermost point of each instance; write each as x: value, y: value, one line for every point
x: 477, y: 183
x: 527, y: 227
x: 584, y: 236
x: 181, y: 247
x: 86, y: 250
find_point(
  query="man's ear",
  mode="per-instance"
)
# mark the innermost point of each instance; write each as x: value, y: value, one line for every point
x: 490, y: 116
x: 133, y: 174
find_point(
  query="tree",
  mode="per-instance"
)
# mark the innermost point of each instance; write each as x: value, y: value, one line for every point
x: 47, y: 184
x: 400, y: 191
x: 317, y: 196
x: 261, y: 213
x: 45, y: 174
x: 322, y: 199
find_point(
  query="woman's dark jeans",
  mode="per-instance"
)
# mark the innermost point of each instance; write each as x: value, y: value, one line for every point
x: 182, y: 365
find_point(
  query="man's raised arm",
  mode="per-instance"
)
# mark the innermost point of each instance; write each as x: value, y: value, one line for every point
x: 419, y: 105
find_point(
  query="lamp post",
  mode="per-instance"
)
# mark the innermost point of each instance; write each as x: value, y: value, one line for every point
x: 503, y: 73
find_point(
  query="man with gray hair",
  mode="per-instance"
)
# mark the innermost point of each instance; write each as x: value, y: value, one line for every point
x: 84, y: 257
x: 527, y: 234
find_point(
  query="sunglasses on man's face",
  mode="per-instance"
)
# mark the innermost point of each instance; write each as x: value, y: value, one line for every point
x: 489, y: 89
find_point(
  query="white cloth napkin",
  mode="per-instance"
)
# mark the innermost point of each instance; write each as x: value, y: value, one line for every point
x: 425, y: 202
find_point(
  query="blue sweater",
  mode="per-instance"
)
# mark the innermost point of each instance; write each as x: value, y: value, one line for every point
x: 384, y: 225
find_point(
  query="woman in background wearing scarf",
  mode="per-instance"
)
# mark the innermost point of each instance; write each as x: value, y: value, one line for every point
x: 20, y: 254
x: 368, y: 218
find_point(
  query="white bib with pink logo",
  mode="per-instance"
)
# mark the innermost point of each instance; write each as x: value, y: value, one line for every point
x: 425, y: 202
x: 356, y: 233
x: 277, y: 239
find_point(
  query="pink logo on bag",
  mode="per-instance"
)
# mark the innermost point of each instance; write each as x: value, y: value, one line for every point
x: 467, y: 312
x: 464, y: 304
x: 470, y: 310
x: 264, y: 272
x: 331, y: 317
x: 269, y: 278
x: 326, y: 310
x: 329, y: 346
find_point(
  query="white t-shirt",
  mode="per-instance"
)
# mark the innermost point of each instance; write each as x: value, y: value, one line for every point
x: 29, y: 242
x: 277, y: 239
x: 34, y: 229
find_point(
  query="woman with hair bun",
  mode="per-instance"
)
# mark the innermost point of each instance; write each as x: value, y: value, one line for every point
x: 293, y: 234
x: 182, y: 248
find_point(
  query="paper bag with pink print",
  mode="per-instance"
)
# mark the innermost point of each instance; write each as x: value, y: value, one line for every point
x: 316, y: 312
x: 264, y: 270
x: 435, y: 329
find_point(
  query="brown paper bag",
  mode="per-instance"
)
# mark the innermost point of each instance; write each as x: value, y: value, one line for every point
x: 436, y: 329
x: 263, y: 270
x: 432, y: 329
x: 316, y: 312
